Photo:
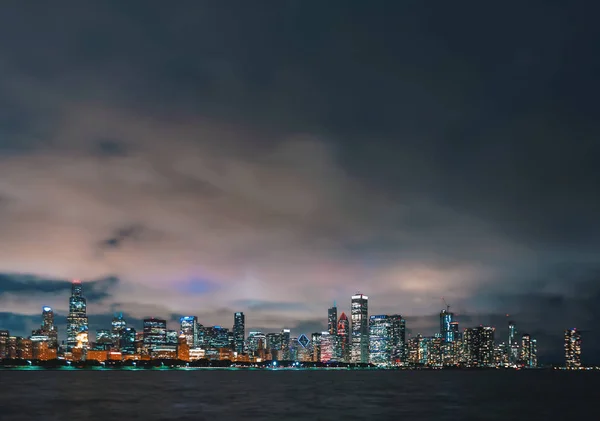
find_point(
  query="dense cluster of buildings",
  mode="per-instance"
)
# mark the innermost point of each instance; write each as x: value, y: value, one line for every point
x: 361, y: 339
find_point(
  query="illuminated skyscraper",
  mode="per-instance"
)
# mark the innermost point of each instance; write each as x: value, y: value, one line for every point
x: 316, y: 346
x: 285, y: 344
x: 398, y: 338
x: 127, y: 341
x: 446, y: 319
x: 118, y: 325
x: 77, y: 321
x: 49, y: 328
x: 513, y: 344
x: 155, y: 333
x: 274, y: 345
x: 480, y: 346
x: 4, y: 335
x: 239, y: 332
x: 360, y: 329
x: 380, y: 340
x: 332, y: 320
x: 528, y: 351
x: 572, y: 348
x: 327, y: 346
x: 189, y: 328
x: 343, y: 334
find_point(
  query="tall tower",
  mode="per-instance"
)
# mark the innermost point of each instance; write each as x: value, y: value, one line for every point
x: 397, y: 338
x: 513, y: 344
x: 446, y: 319
x: 77, y: 321
x: 239, y: 332
x: 189, y: 328
x: 572, y: 348
x: 285, y: 344
x: 118, y: 326
x: 343, y: 332
x: 49, y: 328
x: 332, y: 320
x: 360, y: 328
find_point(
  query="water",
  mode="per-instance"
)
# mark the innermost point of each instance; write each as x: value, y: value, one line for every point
x: 298, y: 395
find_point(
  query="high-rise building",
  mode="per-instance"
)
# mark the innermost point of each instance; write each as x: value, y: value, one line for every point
x: 513, y: 344
x: 239, y: 332
x: 118, y: 325
x: 127, y: 341
x: 4, y: 335
x: 77, y: 321
x: 316, y: 346
x: 528, y: 351
x: 285, y: 344
x: 360, y: 328
x: 327, y: 347
x: 183, y: 349
x: 572, y: 348
x: 103, y: 339
x: 397, y: 338
x: 155, y: 333
x: 49, y: 328
x: 380, y: 340
x: 332, y: 320
x: 172, y: 337
x: 343, y: 335
x: 446, y: 319
x: 218, y: 337
x: 189, y: 328
x: 274, y: 345
x: 255, y: 340
x: 479, y: 342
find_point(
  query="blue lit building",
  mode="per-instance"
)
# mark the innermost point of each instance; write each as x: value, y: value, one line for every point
x: 155, y: 333
x: 189, y: 328
x: 127, y: 341
x: 380, y: 339
x: 446, y: 319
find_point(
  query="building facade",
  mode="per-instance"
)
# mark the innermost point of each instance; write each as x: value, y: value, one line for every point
x: 239, y: 332
x: 360, y: 329
x: 572, y: 348
x: 77, y: 321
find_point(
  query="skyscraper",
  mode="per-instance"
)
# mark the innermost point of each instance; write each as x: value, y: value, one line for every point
x: 77, y: 321
x: 380, y: 341
x: 327, y: 345
x: 285, y: 344
x: 189, y: 328
x: 332, y: 320
x: 127, y: 341
x: 572, y: 348
x: 4, y: 335
x: 528, y: 351
x: 480, y: 346
x: 360, y: 329
x: 513, y: 345
x: 49, y: 328
x: 397, y: 338
x: 446, y: 319
x: 239, y: 332
x: 343, y: 333
x: 118, y: 325
x: 155, y: 333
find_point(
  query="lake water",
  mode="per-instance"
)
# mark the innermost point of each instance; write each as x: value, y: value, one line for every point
x: 298, y: 395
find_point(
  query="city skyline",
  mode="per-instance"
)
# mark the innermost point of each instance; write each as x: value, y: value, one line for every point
x: 273, y: 158
x: 366, y: 338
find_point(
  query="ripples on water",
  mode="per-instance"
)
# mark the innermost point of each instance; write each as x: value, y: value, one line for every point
x: 297, y: 395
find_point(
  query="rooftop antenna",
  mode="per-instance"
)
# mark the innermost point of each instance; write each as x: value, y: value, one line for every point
x: 447, y: 306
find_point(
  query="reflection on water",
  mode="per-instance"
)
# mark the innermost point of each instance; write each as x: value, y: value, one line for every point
x: 295, y: 395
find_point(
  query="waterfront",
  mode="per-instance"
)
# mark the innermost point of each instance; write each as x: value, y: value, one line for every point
x: 296, y: 394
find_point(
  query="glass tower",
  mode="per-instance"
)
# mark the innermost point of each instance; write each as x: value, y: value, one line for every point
x: 77, y: 321
x: 239, y: 332
x: 155, y: 333
x: 360, y: 329
x: 118, y: 325
x: 446, y: 319
x: 332, y: 320
x: 380, y: 341
x: 572, y: 348
x: 398, y: 338
x: 49, y: 328
x: 189, y: 328
x: 343, y: 333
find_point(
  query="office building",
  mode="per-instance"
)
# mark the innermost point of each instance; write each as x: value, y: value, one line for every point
x: 118, y: 325
x: 528, y: 351
x: 127, y: 343
x: 77, y: 321
x: 513, y: 344
x: 239, y: 332
x: 274, y: 345
x: 360, y: 329
x: 315, y: 340
x: 446, y: 319
x: 479, y: 342
x: 343, y: 338
x: 327, y: 347
x: 155, y: 333
x: 397, y: 338
x: 380, y: 340
x: 4, y: 335
x: 49, y: 328
x: 572, y: 348
x: 285, y: 344
x: 189, y: 328
x: 332, y: 320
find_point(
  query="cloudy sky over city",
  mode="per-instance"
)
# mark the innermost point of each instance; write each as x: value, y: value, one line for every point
x: 274, y: 157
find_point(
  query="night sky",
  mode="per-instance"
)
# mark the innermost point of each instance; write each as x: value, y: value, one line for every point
x: 206, y: 157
